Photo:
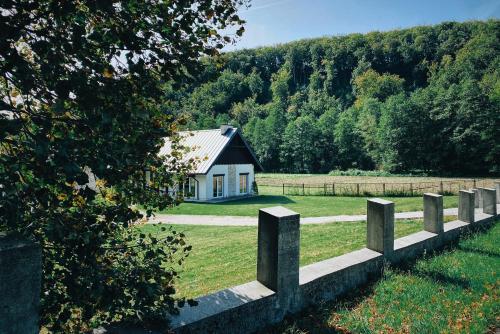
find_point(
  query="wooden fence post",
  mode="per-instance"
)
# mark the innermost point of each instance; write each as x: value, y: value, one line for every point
x: 303, y: 190
x: 283, y: 188
x: 411, y: 189
x: 383, y: 189
x: 441, y: 187
x: 333, y: 189
x: 357, y: 189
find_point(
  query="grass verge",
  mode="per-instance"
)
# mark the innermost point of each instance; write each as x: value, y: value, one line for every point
x: 456, y: 291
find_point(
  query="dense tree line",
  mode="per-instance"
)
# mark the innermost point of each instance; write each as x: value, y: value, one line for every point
x: 425, y: 98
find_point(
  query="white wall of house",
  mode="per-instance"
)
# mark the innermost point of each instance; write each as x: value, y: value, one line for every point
x: 206, y: 181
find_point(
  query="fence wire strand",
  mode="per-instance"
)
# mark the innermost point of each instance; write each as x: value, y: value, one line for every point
x: 378, y: 188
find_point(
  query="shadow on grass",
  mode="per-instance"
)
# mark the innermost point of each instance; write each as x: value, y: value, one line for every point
x: 478, y: 251
x: 442, y: 279
x: 318, y: 318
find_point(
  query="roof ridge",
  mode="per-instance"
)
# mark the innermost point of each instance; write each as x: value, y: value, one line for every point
x: 204, y: 130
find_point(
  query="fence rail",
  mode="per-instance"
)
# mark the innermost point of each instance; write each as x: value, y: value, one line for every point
x: 379, y: 188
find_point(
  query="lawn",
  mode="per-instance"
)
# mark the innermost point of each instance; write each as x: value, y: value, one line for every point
x: 454, y: 292
x: 226, y: 256
x: 307, y: 206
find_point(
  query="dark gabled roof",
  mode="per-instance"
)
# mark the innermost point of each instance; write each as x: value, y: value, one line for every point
x: 208, y: 146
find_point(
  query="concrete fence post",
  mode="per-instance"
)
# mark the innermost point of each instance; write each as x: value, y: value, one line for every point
x: 480, y: 198
x: 433, y: 213
x: 278, y: 254
x: 20, y: 280
x: 477, y: 195
x: 380, y: 226
x: 466, y: 206
x: 497, y: 188
x: 489, y: 196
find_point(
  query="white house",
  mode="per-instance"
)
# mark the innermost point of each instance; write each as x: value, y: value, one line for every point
x: 227, y: 164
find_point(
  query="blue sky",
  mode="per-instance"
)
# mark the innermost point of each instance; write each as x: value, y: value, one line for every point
x: 271, y: 22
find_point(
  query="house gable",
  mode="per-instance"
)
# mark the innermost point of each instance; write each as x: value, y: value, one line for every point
x: 237, y: 152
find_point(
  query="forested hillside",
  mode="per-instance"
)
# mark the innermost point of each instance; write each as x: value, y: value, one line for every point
x: 419, y: 99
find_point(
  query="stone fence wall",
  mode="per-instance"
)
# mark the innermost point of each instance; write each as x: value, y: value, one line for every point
x: 20, y: 279
x: 281, y: 286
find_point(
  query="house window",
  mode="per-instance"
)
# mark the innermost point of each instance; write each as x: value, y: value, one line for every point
x: 218, y: 185
x: 243, y: 183
x: 189, y: 188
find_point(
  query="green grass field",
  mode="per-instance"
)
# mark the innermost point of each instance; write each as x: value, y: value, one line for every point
x: 226, y: 256
x: 279, y: 178
x: 367, y: 185
x: 454, y: 292
x: 307, y: 206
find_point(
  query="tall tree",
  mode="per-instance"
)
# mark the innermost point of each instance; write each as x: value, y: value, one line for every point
x: 298, y: 152
x: 368, y: 124
x: 327, y: 150
x: 274, y: 126
x: 371, y: 84
x: 405, y: 134
x: 349, y: 140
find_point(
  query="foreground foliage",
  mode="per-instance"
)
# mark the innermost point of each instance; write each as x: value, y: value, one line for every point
x: 424, y: 98
x: 80, y: 90
x: 454, y: 292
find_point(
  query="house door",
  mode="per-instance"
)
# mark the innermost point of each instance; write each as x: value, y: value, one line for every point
x: 218, y: 186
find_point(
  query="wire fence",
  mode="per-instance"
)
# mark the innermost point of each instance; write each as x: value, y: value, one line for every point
x: 379, y: 188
